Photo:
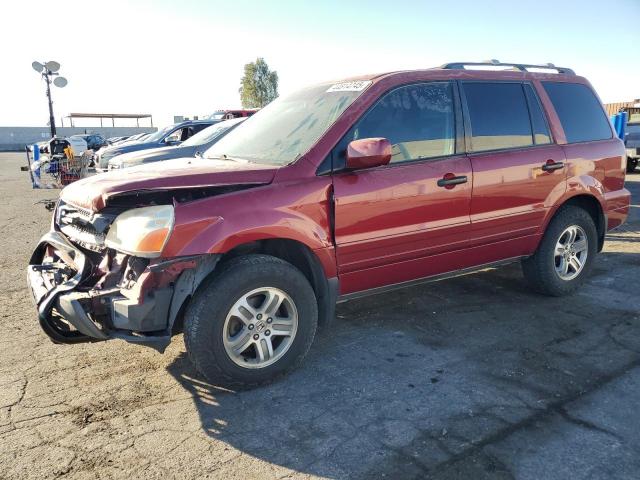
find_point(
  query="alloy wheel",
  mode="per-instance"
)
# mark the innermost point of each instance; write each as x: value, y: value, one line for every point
x: 260, y: 327
x: 570, y: 254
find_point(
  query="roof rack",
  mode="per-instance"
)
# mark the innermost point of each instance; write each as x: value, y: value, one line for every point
x: 523, y: 67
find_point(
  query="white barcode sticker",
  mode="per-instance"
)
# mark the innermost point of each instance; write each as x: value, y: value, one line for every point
x: 355, y: 86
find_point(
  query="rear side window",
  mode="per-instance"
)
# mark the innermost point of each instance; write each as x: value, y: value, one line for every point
x: 418, y: 120
x: 580, y: 112
x: 498, y: 114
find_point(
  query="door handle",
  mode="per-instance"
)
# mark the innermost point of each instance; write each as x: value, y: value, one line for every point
x: 551, y: 165
x: 450, y: 180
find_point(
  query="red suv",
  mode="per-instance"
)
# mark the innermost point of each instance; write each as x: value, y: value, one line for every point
x: 336, y: 191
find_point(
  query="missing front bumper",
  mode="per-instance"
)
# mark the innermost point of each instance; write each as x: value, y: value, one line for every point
x: 71, y: 312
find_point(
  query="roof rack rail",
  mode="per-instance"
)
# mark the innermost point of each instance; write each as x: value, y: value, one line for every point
x: 523, y: 67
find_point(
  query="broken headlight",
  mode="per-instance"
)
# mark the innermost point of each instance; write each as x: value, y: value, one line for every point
x: 142, y: 232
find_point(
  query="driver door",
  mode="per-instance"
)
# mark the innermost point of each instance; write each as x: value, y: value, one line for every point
x: 403, y: 221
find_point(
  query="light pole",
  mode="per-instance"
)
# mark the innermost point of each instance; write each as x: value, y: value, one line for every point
x: 48, y: 70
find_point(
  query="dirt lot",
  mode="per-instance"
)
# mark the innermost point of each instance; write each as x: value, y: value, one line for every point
x: 474, y: 377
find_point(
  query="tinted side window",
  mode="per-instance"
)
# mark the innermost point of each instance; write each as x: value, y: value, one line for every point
x: 580, y: 112
x: 198, y: 127
x: 418, y: 120
x: 541, y: 134
x: 498, y: 114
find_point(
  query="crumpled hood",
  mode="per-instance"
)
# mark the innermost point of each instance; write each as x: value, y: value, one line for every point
x: 92, y: 192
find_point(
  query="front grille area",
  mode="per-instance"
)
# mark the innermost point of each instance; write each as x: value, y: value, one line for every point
x: 86, y: 237
x: 82, y: 226
x: 67, y: 210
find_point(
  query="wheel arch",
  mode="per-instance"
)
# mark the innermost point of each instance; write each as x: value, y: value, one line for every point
x: 593, y: 206
x: 304, y: 259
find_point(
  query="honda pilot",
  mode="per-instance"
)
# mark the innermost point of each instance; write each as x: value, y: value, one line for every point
x: 336, y: 191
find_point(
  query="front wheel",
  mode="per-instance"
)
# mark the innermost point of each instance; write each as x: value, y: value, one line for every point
x: 632, y: 164
x: 565, y: 255
x: 254, y: 320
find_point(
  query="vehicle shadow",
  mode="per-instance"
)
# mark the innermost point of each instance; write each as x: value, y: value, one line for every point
x: 403, y: 382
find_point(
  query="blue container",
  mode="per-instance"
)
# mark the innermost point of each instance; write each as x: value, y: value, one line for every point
x: 619, y: 121
x: 624, y: 117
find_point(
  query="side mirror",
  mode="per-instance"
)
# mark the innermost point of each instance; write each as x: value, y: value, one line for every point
x: 368, y: 152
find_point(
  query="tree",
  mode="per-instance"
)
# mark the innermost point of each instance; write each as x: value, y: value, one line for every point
x: 259, y: 85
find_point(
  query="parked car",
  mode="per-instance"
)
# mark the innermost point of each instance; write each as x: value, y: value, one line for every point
x: 189, y: 148
x: 114, y: 140
x: 168, y: 136
x: 135, y: 138
x: 331, y: 193
x: 231, y: 114
x: 119, y: 141
x: 94, y: 141
x: 632, y: 140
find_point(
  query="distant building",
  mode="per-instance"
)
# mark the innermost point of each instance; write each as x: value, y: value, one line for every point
x: 613, y: 108
x: 183, y: 118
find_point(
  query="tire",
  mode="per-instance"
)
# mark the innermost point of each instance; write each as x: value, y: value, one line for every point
x: 540, y: 269
x: 632, y: 164
x: 209, y: 321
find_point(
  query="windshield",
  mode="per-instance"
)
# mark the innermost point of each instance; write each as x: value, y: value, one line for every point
x: 209, y: 133
x: 289, y: 126
x: 154, y: 137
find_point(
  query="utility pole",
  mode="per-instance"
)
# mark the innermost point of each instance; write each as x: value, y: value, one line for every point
x: 52, y: 123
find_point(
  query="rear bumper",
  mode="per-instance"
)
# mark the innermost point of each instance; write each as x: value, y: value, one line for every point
x: 73, y: 309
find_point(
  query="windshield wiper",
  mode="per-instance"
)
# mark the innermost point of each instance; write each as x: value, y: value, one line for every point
x: 224, y: 156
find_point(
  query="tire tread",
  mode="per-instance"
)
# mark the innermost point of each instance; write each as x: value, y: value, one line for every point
x: 539, y: 273
x: 199, y: 349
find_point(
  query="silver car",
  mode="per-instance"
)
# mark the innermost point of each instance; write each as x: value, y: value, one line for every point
x: 189, y: 148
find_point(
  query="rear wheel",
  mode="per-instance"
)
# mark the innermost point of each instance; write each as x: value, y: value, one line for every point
x: 565, y: 255
x: 632, y: 164
x: 252, y: 322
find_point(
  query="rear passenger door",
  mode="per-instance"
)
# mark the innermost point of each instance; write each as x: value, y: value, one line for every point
x: 517, y: 169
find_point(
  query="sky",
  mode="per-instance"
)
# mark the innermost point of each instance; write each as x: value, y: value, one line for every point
x: 186, y: 58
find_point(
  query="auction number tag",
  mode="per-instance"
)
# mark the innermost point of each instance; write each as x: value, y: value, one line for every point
x: 355, y: 86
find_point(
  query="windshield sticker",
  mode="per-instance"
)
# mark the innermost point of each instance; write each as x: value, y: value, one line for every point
x: 356, y: 86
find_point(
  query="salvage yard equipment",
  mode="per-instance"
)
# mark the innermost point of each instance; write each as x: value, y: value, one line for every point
x: 55, y: 165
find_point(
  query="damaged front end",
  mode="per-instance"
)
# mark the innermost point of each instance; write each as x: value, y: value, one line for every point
x: 86, y: 290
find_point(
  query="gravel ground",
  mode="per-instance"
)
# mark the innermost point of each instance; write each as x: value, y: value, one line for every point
x: 474, y: 377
